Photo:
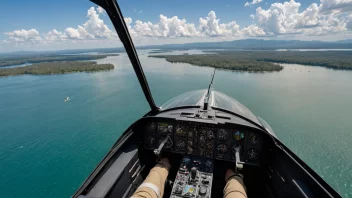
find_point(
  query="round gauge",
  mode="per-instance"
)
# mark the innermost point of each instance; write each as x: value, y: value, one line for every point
x: 210, y: 135
x: 202, y: 139
x: 252, y: 154
x: 180, y: 131
x: 222, y: 148
x: 150, y: 141
x: 209, y: 154
x: 151, y: 127
x: 168, y: 143
x: 208, y: 164
x: 201, y: 147
x: 209, y: 146
x: 169, y: 128
x: 180, y: 144
x: 190, y: 143
x: 186, y: 160
x: 254, y: 138
x: 223, y: 135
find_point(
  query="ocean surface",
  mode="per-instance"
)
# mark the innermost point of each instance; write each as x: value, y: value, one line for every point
x: 49, y: 147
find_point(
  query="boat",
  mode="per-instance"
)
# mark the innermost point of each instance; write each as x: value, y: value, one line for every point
x: 67, y: 99
x: 202, y: 132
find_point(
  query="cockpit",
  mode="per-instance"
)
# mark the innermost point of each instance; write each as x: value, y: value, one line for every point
x: 203, y: 143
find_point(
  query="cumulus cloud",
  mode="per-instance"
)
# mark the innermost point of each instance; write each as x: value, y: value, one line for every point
x: 94, y: 28
x: 330, y: 6
x: 210, y: 26
x: 20, y: 36
x: 252, y: 3
x: 100, y: 10
x: 166, y: 27
x: 285, y: 18
x: 328, y: 17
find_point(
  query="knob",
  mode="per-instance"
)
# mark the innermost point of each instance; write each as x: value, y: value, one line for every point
x: 193, y: 173
x: 202, y: 190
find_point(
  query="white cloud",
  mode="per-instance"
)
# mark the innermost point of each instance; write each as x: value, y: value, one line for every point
x: 253, y: 31
x: 166, y: 27
x: 100, y: 10
x: 210, y: 26
x: 329, y: 6
x: 285, y: 18
x: 54, y: 35
x: 328, y: 18
x: 21, y: 36
x: 252, y: 3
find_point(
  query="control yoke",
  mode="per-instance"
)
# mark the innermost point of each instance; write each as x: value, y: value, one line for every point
x: 161, y: 146
x: 239, y: 164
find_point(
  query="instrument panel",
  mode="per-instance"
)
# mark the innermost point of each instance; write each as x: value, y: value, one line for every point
x: 207, y: 140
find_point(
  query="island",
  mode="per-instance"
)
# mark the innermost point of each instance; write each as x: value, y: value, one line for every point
x: 18, y: 60
x: 259, y: 61
x: 157, y: 51
x: 223, y: 61
x: 56, y: 68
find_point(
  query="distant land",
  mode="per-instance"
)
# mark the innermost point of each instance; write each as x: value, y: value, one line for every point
x: 258, y: 44
x: 259, y: 61
x: 22, y: 59
x: 245, y: 44
x: 253, y: 55
x: 228, y: 61
x: 56, y: 68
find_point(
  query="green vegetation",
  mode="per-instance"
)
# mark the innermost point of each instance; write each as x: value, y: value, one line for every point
x: 258, y: 61
x: 56, y: 68
x: 8, y: 61
x: 223, y: 62
x: 159, y: 51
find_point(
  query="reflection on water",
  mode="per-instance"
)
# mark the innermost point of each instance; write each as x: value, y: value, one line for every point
x: 61, y: 143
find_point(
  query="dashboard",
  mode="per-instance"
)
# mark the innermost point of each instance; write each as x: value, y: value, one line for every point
x: 204, y: 139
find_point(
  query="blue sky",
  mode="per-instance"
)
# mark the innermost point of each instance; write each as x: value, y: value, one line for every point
x: 27, y: 24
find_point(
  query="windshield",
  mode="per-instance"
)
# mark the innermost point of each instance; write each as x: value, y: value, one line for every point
x: 288, y: 62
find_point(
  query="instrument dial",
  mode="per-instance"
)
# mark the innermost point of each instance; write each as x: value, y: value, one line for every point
x: 180, y: 131
x: 150, y: 141
x: 208, y: 164
x: 252, y: 154
x: 222, y: 148
x: 209, y: 146
x: 254, y: 138
x: 164, y: 127
x: 210, y: 135
x: 202, y: 139
x: 223, y: 135
x: 151, y: 127
x: 180, y: 144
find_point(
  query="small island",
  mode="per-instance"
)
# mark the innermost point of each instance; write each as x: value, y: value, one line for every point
x: 260, y: 61
x: 18, y: 60
x: 221, y: 61
x: 56, y: 68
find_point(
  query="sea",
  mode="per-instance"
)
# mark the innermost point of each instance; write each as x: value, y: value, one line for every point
x: 48, y: 147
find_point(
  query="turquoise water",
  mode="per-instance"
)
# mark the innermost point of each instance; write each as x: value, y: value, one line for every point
x: 49, y: 147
